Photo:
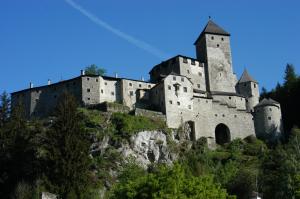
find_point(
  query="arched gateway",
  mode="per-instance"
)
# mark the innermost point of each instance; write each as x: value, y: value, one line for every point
x: 222, y: 134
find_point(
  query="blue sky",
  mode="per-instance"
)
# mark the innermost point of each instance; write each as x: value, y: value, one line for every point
x: 50, y: 39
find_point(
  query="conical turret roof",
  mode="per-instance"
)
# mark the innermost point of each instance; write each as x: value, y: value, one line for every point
x: 212, y: 28
x: 267, y: 102
x: 246, y: 77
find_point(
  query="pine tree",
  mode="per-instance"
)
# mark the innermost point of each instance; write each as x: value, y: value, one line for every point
x: 4, y: 108
x: 67, y: 148
x: 290, y: 76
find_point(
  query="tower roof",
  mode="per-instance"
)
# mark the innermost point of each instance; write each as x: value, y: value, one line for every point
x: 246, y: 77
x: 212, y: 28
x: 267, y: 102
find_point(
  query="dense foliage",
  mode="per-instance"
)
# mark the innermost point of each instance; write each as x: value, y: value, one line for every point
x: 94, y: 70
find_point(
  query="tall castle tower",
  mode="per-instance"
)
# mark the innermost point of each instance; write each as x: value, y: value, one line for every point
x: 213, y: 49
x: 248, y: 87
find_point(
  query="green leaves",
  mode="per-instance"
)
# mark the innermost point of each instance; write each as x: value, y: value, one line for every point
x: 169, y: 183
x: 94, y: 70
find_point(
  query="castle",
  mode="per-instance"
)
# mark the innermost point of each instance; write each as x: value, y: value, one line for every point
x: 203, y: 93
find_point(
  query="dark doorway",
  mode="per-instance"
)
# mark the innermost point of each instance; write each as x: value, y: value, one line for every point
x: 222, y: 134
x: 192, y: 135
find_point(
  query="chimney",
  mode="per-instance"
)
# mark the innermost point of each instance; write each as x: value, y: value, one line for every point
x: 30, y: 85
x: 116, y: 75
x: 49, y: 81
x: 82, y: 72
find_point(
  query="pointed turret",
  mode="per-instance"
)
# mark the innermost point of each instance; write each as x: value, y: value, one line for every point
x: 212, y: 28
x: 246, y: 77
x: 248, y: 87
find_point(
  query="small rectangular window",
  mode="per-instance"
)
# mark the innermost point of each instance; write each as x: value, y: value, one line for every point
x: 185, y: 89
x: 112, y: 93
x: 174, y: 78
x: 101, y: 90
x: 198, y: 85
x: 200, y: 74
x: 182, y: 79
x: 97, y: 80
x: 130, y: 84
x: 149, y: 86
x: 169, y: 87
x: 193, y: 62
x: 140, y: 85
x: 190, y: 107
x: 88, y: 90
x: 105, y: 83
x: 89, y: 98
x: 188, y: 71
x: 269, y: 118
x: 185, y: 60
x: 131, y: 93
x: 88, y: 79
x: 178, y: 103
x: 170, y: 102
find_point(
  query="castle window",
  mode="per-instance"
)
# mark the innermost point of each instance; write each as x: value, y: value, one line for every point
x: 229, y: 97
x: 178, y: 103
x: 218, y: 45
x: 222, y: 39
x: 88, y: 90
x: 185, y: 60
x: 140, y: 85
x: 193, y: 62
x: 198, y: 85
x: 182, y: 79
x: 270, y: 109
x: 254, y: 85
x: 269, y: 118
x: 101, y: 90
x: 223, y: 115
x: 216, y: 115
x: 130, y: 84
x: 105, y: 83
x: 170, y: 102
x: 88, y: 79
x: 185, y: 89
x: 212, y: 38
x: 235, y: 116
x: 190, y: 107
x: 169, y: 87
x: 89, y: 98
x: 149, y: 86
x: 97, y: 80
x: 246, y: 100
x: 131, y: 93
x: 174, y: 78
x: 220, y: 74
x: 200, y: 74
x: 112, y: 93
x: 188, y: 71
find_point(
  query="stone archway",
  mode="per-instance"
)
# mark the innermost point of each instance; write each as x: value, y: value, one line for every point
x: 222, y: 134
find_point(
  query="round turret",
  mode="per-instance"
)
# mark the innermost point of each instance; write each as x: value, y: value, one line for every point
x: 267, y: 119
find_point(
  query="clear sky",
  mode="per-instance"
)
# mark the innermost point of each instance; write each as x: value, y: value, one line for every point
x: 54, y: 39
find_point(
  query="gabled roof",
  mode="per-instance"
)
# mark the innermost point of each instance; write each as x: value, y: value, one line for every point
x: 246, y: 77
x: 212, y: 28
x: 267, y: 102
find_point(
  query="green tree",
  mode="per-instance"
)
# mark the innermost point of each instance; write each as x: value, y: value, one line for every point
x: 67, y: 152
x: 4, y: 108
x: 290, y: 75
x: 17, y: 154
x: 169, y: 183
x: 94, y: 70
